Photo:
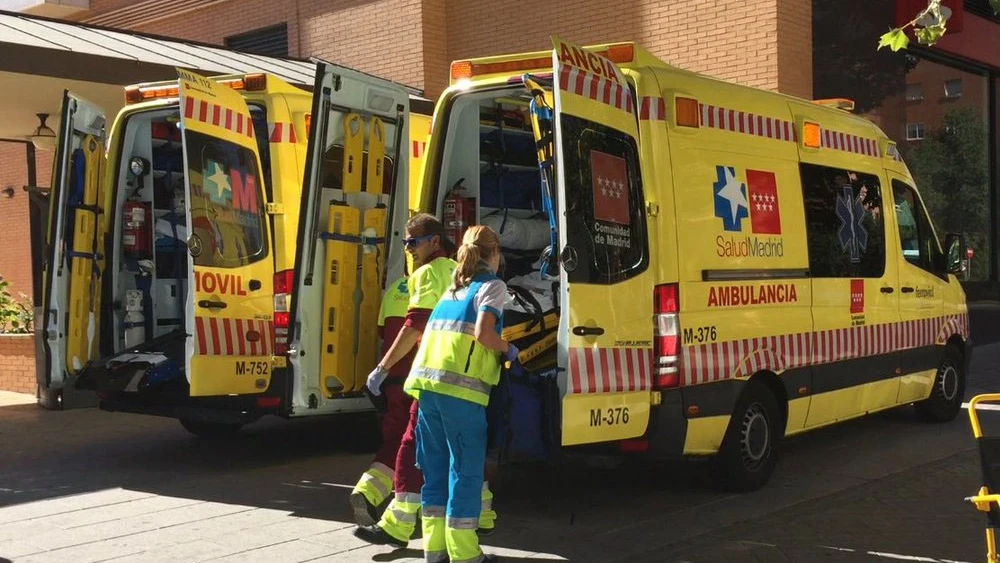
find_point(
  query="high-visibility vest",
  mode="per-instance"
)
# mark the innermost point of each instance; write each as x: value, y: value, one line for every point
x: 450, y: 361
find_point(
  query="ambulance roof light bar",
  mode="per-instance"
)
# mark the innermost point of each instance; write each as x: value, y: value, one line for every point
x: 836, y: 103
x: 145, y: 92
x: 465, y: 70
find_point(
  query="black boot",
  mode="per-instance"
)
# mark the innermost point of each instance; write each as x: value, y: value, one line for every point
x: 377, y: 536
x: 364, y: 513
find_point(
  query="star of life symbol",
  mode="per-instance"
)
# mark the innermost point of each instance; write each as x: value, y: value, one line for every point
x: 611, y: 188
x: 852, y: 234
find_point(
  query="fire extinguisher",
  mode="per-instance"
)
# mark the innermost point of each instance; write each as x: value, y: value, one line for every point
x: 459, y: 212
x: 136, y: 234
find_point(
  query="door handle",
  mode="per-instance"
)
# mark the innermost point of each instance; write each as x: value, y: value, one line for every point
x: 588, y: 330
x: 886, y: 290
x: 206, y: 304
x: 906, y: 289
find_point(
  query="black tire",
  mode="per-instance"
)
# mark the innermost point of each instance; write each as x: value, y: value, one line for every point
x: 212, y: 430
x: 749, y: 449
x: 949, y: 390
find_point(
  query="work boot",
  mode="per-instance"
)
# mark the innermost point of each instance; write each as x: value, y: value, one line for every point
x: 377, y: 536
x: 365, y: 514
x: 485, y: 532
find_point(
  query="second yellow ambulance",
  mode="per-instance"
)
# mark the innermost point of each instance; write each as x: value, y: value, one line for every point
x: 730, y: 266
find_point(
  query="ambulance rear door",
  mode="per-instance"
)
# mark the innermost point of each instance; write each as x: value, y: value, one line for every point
x: 75, y: 256
x: 230, y: 304
x: 605, y: 340
x: 353, y: 209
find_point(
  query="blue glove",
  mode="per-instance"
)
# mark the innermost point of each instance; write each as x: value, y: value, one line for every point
x: 516, y: 369
x: 512, y: 353
x: 375, y: 379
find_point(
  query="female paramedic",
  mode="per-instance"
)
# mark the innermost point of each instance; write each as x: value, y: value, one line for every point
x: 457, y: 364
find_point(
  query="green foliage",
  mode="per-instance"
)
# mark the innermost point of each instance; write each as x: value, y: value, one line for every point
x: 16, y: 315
x: 895, y: 39
x: 951, y: 168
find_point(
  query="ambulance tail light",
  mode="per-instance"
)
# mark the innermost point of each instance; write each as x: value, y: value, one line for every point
x: 268, y: 402
x: 255, y: 82
x: 309, y: 122
x: 282, y: 295
x: 666, y: 336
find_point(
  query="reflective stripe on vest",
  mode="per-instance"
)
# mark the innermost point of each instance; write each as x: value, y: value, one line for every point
x: 450, y: 361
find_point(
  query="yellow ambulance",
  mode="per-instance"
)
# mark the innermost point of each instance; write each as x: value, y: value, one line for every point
x: 728, y: 265
x: 172, y: 236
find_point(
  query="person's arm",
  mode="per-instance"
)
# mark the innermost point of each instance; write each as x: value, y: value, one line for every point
x: 405, y: 341
x: 423, y: 297
x: 486, y: 332
x: 490, y: 304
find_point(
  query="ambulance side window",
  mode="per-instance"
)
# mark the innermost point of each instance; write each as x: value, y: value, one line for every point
x: 227, y: 213
x: 916, y: 236
x: 605, y: 218
x: 844, y: 222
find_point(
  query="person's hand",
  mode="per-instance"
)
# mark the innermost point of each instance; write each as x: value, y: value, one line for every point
x: 375, y: 379
x: 512, y: 353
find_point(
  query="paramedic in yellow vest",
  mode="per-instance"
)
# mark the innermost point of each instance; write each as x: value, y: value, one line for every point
x: 457, y: 365
x: 375, y: 485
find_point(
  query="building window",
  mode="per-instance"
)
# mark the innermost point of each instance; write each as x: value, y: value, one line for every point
x: 914, y: 92
x: 914, y: 131
x: 270, y: 41
x: 953, y: 88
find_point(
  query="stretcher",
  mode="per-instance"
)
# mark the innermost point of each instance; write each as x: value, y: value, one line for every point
x: 988, y: 498
x: 353, y: 241
x: 86, y: 261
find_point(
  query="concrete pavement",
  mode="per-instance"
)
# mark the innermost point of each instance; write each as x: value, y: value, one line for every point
x: 84, y: 485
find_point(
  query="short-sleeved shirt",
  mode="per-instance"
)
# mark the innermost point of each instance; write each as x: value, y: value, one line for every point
x: 392, y: 317
x: 491, y: 298
x: 429, y: 283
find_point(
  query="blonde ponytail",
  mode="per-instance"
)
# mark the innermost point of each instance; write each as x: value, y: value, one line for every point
x: 479, y: 244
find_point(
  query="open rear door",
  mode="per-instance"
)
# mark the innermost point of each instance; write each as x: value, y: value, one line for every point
x: 354, y: 199
x: 229, y: 313
x: 605, y: 336
x: 75, y: 253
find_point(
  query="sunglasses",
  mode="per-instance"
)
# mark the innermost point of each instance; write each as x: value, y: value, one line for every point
x: 412, y: 242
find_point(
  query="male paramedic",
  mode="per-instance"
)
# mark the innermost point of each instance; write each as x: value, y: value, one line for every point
x: 430, y: 248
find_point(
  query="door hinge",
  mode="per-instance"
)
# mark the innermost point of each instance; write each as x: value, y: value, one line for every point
x: 652, y: 208
x: 275, y: 208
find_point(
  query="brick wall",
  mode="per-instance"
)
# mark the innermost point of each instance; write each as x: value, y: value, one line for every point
x: 15, y: 238
x: 763, y: 43
x: 735, y: 40
x: 17, y: 363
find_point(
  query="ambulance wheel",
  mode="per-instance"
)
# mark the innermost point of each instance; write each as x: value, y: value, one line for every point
x: 949, y: 390
x: 204, y: 429
x: 749, y: 449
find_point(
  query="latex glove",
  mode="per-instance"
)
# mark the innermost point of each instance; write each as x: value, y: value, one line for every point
x: 512, y: 353
x: 375, y: 379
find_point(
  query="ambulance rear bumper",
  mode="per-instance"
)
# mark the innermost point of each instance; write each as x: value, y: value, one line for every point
x: 667, y: 427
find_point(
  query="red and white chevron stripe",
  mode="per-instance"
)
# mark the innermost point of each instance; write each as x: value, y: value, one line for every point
x: 747, y: 123
x: 849, y: 143
x: 213, y: 114
x: 652, y: 108
x: 282, y: 133
x: 610, y: 370
x: 719, y: 361
x: 597, y: 88
x: 229, y: 337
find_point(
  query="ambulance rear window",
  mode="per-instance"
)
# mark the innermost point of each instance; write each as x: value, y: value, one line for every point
x: 227, y: 213
x: 606, y: 225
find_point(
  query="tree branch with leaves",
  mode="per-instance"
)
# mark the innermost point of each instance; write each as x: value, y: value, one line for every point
x: 928, y: 26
